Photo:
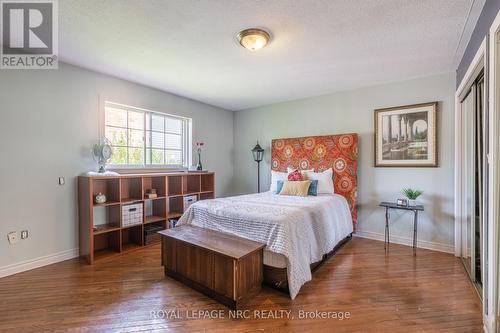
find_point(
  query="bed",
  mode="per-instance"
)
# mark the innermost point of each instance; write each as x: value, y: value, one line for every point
x: 299, y: 232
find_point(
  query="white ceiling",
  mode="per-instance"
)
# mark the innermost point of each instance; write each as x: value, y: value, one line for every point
x: 188, y: 47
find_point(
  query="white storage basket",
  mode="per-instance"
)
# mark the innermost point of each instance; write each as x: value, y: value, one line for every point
x: 132, y: 214
x: 189, y: 200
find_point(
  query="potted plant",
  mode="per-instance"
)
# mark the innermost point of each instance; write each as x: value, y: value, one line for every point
x: 412, y: 195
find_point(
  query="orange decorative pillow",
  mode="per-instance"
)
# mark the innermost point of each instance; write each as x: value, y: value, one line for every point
x: 295, y: 176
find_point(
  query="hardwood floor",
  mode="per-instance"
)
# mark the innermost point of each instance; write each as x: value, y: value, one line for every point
x: 383, y: 293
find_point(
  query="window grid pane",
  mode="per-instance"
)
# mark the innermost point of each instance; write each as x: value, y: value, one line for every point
x: 145, y: 138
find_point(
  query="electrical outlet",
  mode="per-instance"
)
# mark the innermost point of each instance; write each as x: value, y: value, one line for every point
x: 62, y: 181
x: 24, y: 234
x: 13, y: 237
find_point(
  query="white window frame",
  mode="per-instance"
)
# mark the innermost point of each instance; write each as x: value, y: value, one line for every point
x: 186, y: 135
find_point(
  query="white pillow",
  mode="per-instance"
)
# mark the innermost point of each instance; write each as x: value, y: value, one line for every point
x: 275, y: 176
x: 325, y: 180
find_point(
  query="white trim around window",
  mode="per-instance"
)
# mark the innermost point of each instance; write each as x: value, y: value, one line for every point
x: 143, y: 138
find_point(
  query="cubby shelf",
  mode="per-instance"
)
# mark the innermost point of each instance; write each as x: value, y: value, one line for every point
x: 157, y: 198
x: 130, y: 226
x: 174, y: 215
x: 108, y: 203
x: 103, y: 228
x: 130, y: 247
x: 127, y: 201
x: 108, y: 239
x: 152, y: 219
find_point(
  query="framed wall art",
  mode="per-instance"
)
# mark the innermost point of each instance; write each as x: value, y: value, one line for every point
x: 406, y: 136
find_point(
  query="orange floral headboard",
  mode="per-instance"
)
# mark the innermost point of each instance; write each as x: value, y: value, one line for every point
x: 339, y: 152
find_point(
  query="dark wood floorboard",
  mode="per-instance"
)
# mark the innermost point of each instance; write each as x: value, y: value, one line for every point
x: 396, y: 292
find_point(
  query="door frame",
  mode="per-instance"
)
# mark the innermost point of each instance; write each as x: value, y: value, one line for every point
x: 491, y: 321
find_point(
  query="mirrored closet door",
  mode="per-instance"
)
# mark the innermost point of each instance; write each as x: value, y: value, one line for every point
x: 474, y: 173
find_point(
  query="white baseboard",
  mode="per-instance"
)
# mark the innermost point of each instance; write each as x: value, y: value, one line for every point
x: 407, y: 241
x: 38, y: 262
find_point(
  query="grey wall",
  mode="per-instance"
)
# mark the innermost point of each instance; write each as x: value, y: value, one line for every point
x: 352, y: 111
x: 49, y: 122
x: 488, y: 14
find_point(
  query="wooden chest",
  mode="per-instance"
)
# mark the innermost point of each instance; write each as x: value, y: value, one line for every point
x: 224, y: 267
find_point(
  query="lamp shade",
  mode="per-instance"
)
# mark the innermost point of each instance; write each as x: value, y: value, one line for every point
x: 258, y: 153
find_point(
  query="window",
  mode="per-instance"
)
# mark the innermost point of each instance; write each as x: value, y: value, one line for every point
x: 146, y: 138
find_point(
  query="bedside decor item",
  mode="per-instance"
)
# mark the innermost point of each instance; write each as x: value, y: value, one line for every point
x: 102, y: 152
x: 151, y: 194
x: 199, y: 146
x: 258, y: 155
x: 412, y: 195
x: 406, y: 136
x: 402, y: 202
x: 100, y: 198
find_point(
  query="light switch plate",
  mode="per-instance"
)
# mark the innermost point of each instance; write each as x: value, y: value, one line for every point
x: 62, y: 181
x: 13, y: 237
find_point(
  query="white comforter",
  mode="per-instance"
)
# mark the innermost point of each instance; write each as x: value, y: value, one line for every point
x: 302, y: 229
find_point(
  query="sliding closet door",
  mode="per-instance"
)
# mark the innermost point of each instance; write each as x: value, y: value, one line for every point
x: 474, y: 173
x: 469, y: 131
x: 480, y: 185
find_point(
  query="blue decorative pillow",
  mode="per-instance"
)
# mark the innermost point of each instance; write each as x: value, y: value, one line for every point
x: 279, y: 186
x: 313, y: 188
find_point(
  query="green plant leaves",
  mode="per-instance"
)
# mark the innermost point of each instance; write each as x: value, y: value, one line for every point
x: 411, y: 193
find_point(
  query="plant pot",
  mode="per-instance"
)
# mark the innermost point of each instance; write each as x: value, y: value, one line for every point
x: 412, y: 203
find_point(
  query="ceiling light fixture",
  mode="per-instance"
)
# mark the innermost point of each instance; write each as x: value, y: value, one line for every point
x: 253, y: 39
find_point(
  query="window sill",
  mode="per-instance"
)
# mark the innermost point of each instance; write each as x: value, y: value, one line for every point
x: 133, y: 170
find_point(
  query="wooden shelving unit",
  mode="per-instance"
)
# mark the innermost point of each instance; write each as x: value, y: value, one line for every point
x: 110, y: 238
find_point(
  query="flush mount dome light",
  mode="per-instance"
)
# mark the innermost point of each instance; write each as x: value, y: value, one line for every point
x: 253, y: 39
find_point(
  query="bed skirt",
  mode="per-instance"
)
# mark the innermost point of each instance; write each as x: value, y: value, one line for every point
x: 277, y: 277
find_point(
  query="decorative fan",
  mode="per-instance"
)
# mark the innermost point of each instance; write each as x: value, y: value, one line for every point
x: 102, y: 152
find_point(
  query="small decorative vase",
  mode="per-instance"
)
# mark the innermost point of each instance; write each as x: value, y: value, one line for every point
x: 100, y: 198
x: 199, y: 167
x: 412, y: 203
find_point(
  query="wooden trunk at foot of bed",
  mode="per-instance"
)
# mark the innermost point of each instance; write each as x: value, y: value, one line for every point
x: 339, y: 152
